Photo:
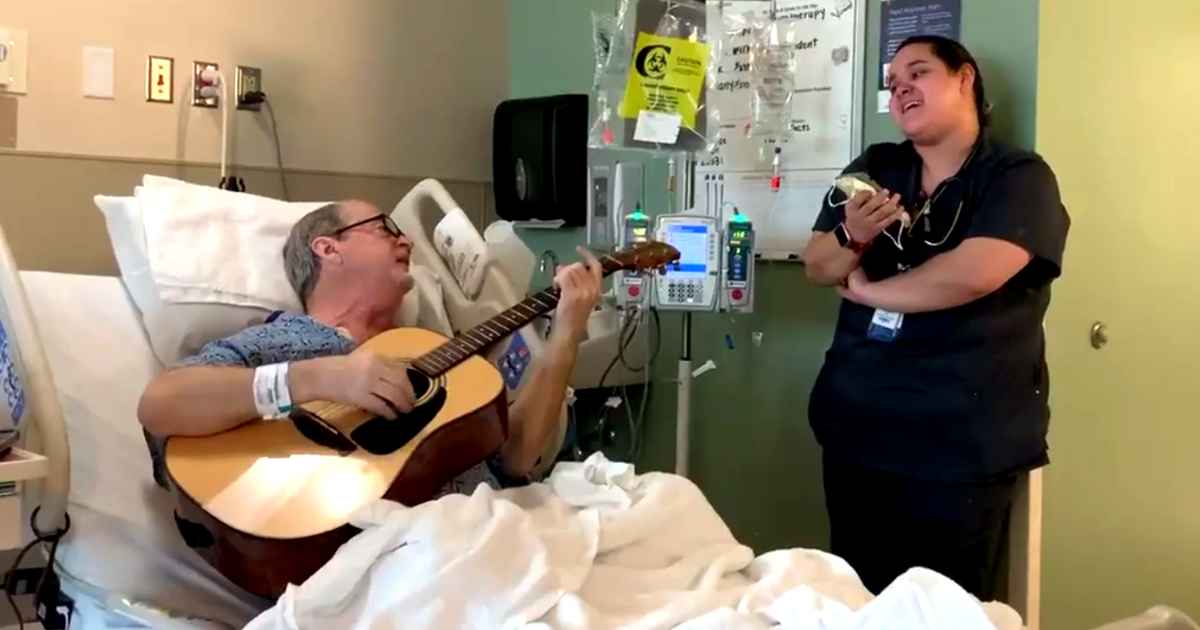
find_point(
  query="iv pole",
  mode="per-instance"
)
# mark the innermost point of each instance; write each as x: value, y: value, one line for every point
x: 683, y: 401
x: 683, y: 397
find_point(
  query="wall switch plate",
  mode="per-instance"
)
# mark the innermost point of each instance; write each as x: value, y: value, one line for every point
x: 14, y: 56
x: 248, y: 80
x: 98, y: 79
x: 160, y: 79
x: 198, y: 98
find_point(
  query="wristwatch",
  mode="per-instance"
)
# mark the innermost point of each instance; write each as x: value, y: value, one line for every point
x: 844, y: 239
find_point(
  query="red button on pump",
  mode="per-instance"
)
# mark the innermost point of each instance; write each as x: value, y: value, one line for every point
x: 737, y: 295
x: 635, y: 291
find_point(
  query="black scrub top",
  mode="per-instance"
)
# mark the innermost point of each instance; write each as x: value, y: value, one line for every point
x: 959, y: 394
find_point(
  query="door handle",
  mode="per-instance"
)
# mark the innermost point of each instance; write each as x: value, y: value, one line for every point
x: 1099, y: 335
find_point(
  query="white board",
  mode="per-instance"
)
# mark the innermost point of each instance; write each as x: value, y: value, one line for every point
x: 826, y: 110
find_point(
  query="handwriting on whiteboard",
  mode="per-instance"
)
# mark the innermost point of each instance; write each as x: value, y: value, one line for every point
x: 820, y: 36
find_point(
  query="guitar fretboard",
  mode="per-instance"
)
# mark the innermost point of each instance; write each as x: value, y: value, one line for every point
x: 446, y: 356
x: 441, y: 359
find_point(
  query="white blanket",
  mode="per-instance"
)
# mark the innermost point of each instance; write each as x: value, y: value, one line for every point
x: 598, y: 547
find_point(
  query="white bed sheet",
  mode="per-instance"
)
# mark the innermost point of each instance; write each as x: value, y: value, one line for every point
x: 598, y: 547
x: 123, y: 546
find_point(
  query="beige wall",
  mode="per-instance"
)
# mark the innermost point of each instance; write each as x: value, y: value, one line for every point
x: 390, y: 87
x: 52, y: 224
x: 370, y: 95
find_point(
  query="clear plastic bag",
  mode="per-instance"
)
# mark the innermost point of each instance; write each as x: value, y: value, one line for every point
x: 604, y: 33
x: 650, y: 84
x: 772, y: 72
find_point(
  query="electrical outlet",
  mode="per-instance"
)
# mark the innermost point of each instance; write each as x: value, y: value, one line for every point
x: 198, y: 84
x: 23, y: 581
x: 160, y: 79
x: 248, y: 80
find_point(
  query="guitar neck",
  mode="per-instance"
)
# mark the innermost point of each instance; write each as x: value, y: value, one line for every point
x: 441, y: 359
x: 467, y: 344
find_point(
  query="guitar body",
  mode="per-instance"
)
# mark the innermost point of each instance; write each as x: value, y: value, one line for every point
x: 267, y: 506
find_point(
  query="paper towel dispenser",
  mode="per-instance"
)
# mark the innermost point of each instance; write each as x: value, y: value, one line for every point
x: 539, y: 159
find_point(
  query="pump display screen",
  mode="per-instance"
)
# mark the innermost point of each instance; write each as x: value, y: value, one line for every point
x: 692, y: 243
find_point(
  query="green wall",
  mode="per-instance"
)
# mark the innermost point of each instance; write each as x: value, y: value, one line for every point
x: 1002, y: 34
x: 753, y: 453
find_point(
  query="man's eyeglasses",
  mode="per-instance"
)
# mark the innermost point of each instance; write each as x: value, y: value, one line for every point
x: 388, y: 224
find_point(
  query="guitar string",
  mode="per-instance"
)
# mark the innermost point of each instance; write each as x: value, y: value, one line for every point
x: 458, y: 349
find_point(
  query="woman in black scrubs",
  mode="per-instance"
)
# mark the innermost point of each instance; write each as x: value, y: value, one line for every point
x: 933, y: 396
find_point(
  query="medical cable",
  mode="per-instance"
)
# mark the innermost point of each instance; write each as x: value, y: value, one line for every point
x: 631, y: 331
x: 224, y: 123
x: 625, y: 337
x: 39, y: 538
x: 622, y: 341
x: 621, y: 347
x: 8, y: 585
x: 278, y: 148
x: 626, y: 341
x: 635, y: 426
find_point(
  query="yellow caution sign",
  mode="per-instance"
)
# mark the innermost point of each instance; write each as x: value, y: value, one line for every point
x: 666, y: 76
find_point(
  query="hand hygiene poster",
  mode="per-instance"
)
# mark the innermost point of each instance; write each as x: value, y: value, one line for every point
x: 902, y: 19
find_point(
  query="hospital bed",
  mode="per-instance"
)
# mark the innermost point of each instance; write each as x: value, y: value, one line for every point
x: 85, y: 356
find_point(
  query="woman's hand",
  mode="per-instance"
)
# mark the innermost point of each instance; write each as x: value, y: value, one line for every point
x: 867, y: 215
x: 855, y: 287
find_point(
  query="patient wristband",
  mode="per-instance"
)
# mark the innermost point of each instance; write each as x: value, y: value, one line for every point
x: 272, y: 397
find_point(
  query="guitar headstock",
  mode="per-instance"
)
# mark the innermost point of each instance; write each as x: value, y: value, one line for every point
x: 640, y: 257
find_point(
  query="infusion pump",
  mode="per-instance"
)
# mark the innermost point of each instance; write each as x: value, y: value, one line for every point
x: 692, y: 282
x: 715, y: 270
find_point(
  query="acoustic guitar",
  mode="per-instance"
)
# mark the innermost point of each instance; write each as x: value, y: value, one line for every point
x: 268, y: 502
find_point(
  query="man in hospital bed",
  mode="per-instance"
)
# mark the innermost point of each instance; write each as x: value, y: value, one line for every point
x: 349, y: 265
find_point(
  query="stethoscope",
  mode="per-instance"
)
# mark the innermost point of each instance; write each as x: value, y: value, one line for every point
x: 924, y: 213
x: 927, y: 210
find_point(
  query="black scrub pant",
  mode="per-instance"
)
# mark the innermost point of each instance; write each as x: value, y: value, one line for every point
x: 884, y: 524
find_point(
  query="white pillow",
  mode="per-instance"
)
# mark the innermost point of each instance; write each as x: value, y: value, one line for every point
x: 174, y: 330
x: 123, y: 217
x: 179, y: 329
x: 210, y: 245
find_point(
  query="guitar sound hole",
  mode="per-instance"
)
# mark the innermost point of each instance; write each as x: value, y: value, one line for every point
x: 380, y: 436
x: 420, y: 382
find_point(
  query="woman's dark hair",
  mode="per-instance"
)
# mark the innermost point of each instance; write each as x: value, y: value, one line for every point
x: 955, y: 56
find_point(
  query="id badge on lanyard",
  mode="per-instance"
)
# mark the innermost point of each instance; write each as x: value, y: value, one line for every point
x: 885, y: 326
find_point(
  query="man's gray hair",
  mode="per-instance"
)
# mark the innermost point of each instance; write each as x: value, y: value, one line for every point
x: 302, y: 265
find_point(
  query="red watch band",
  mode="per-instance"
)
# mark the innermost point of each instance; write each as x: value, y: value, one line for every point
x: 857, y: 247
